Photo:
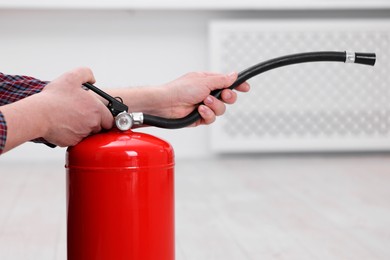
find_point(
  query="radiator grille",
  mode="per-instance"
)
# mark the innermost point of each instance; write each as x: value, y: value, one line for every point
x: 315, y: 106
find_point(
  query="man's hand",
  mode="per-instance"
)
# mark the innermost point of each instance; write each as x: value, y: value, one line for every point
x: 193, y: 88
x: 74, y: 113
x: 180, y: 97
x: 63, y: 113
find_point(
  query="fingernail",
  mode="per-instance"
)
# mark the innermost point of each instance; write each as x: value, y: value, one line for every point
x: 228, y: 95
x: 231, y: 74
x: 209, y: 100
x: 203, y: 110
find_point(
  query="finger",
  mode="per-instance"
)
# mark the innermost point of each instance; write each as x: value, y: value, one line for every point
x: 80, y: 75
x: 220, y: 81
x: 107, y: 120
x: 86, y: 75
x: 228, y: 96
x: 210, y: 73
x: 96, y: 129
x: 217, y: 106
x: 207, y: 114
x: 244, y: 87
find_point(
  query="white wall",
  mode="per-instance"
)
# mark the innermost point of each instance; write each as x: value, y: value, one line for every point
x: 124, y: 48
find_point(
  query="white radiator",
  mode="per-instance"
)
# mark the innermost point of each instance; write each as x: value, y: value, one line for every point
x: 306, y: 107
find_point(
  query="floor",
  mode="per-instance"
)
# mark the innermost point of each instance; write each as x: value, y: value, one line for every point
x: 252, y: 207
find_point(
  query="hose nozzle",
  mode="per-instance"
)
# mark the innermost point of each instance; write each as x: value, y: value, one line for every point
x: 360, y: 58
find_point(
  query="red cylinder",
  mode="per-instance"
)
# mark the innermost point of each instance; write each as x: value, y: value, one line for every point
x: 120, y: 198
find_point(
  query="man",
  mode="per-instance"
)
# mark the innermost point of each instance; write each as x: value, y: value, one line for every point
x: 62, y: 113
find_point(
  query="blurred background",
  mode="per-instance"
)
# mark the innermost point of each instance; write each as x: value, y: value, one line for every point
x: 296, y: 169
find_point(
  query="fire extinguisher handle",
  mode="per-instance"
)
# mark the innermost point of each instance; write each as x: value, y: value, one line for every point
x: 115, y: 105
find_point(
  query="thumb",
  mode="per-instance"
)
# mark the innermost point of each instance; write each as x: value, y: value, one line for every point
x: 81, y: 75
x: 221, y: 81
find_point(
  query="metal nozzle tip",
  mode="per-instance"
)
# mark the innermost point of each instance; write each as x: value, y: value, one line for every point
x: 360, y: 58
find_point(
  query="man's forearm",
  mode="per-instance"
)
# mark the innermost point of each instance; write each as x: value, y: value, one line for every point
x: 25, y: 121
x: 151, y: 100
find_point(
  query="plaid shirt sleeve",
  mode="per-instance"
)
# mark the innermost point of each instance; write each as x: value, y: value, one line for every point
x: 12, y: 89
x: 3, y: 132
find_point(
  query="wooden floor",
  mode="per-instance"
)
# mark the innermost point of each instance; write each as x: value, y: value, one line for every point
x: 256, y: 207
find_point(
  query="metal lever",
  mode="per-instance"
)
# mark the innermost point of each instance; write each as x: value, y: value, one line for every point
x: 114, y: 105
x: 123, y: 120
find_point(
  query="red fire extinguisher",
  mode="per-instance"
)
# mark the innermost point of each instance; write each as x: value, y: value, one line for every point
x: 120, y: 184
x: 120, y: 197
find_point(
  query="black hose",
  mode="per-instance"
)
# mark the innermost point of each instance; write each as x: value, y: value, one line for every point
x: 361, y: 58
